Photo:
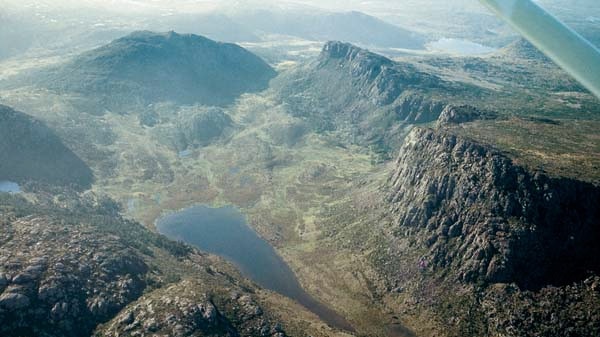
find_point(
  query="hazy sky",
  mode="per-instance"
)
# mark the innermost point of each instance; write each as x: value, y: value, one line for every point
x: 199, y: 5
x: 376, y: 7
x: 432, y: 17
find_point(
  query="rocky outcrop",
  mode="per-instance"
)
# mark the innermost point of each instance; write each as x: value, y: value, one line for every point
x: 73, y: 267
x: 417, y: 109
x: 525, y: 50
x: 193, y: 127
x: 463, y: 114
x: 569, y: 311
x: 485, y: 219
x: 187, y: 309
x: 64, y: 278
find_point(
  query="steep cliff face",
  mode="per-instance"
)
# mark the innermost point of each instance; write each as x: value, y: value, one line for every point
x: 497, y: 249
x: 463, y: 114
x: 489, y: 220
x: 366, y: 82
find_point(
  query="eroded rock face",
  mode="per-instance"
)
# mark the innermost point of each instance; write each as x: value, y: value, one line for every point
x: 570, y: 311
x: 62, y: 280
x: 500, y: 250
x: 189, y: 309
x: 490, y: 220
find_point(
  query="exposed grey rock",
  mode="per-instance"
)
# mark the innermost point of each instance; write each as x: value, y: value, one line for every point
x: 3, y: 281
x: 59, y: 310
x: 151, y: 325
x: 495, y: 221
x: 521, y: 243
x: 127, y: 319
x: 462, y: 114
x: 90, y: 272
x: 209, y: 312
x: 50, y: 288
x: 179, y: 310
x: 22, y: 278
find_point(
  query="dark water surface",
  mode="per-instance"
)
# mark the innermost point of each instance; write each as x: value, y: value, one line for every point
x: 224, y: 232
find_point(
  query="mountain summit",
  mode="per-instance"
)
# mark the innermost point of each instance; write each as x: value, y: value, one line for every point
x: 147, y: 67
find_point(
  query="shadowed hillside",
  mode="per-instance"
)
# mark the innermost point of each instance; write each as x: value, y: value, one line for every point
x: 30, y: 151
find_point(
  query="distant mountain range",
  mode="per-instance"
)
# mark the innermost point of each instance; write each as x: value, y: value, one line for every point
x: 355, y: 27
x: 145, y: 67
x: 22, y: 31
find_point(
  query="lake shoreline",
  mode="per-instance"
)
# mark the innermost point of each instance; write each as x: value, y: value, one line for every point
x: 224, y: 231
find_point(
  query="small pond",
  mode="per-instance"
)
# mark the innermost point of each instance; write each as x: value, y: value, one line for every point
x: 9, y: 186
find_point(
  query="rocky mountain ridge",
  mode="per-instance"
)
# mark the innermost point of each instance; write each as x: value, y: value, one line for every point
x: 376, y: 76
x: 374, y: 98
x: 502, y: 223
x: 506, y: 233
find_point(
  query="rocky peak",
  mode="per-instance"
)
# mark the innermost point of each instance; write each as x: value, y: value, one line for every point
x: 166, y: 38
x: 351, y: 54
x: 525, y: 50
x: 376, y: 77
x: 348, y: 51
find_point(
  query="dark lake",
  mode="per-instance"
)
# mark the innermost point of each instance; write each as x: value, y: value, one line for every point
x: 224, y: 232
x: 9, y: 186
